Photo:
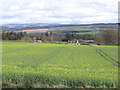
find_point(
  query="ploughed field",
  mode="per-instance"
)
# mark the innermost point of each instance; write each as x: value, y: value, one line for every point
x: 59, y: 65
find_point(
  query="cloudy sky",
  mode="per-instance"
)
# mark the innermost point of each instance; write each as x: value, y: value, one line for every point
x: 58, y: 11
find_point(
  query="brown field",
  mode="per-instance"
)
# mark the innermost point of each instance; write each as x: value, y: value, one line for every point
x: 36, y: 30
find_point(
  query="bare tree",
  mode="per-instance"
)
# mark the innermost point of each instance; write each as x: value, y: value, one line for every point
x: 110, y: 36
x: 99, y: 39
x: 107, y: 37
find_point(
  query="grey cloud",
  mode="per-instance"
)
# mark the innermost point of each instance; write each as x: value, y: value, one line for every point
x: 61, y: 11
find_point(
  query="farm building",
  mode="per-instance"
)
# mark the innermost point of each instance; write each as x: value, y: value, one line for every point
x: 73, y: 42
x: 88, y: 41
x: 37, y: 41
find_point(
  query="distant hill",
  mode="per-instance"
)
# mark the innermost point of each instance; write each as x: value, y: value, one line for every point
x: 62, y: 28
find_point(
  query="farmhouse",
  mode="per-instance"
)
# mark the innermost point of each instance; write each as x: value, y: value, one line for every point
x: 37, y: 41
x: 88, y: 41
x: 73, y: 42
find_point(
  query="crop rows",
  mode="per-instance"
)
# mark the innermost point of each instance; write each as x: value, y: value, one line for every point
x: 45, y: 65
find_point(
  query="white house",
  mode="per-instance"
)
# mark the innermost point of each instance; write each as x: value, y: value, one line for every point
x: 73, y: 42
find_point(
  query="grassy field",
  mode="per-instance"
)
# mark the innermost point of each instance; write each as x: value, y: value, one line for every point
x: 59, y: 65
x: 73, y: 28
x: 82, y: 29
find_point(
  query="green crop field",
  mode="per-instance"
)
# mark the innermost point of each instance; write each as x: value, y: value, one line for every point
x: 91, y: 29
x: 59, y: 65
x: 74, y: 28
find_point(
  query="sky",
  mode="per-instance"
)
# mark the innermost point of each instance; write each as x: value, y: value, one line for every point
x: 58, y: 11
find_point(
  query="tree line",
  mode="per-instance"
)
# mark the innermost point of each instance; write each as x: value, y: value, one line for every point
x: 107, y: 37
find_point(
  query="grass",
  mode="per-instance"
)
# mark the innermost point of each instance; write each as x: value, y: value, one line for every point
x: 91, y: 29
x: 59, y: 65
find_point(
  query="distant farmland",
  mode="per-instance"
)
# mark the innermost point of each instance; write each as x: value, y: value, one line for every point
x: 36, y: 30
x: 62, y: 28
x: 85, y: 29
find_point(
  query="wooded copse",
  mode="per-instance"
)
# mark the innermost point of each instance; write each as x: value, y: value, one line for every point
x: 107, y: 37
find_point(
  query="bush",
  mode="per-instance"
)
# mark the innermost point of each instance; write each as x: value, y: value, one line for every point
x: 26, y: 39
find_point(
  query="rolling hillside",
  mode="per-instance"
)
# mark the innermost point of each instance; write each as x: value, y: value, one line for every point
x: 62, y: 28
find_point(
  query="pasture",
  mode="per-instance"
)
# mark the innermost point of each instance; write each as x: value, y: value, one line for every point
x: 77, y: 29
x: 59, y: 65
